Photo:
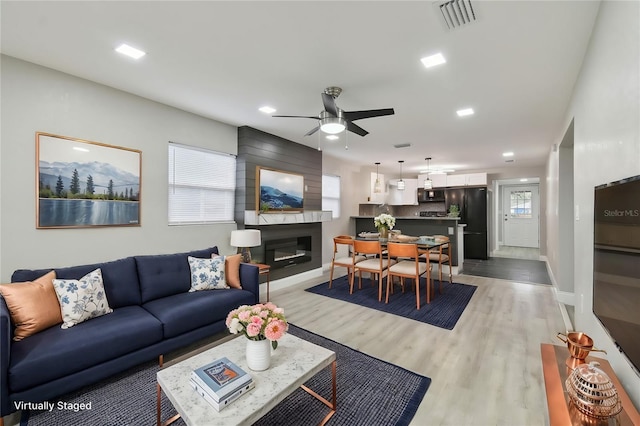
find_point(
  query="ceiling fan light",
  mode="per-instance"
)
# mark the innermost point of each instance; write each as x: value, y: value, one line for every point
x: 332, y: 125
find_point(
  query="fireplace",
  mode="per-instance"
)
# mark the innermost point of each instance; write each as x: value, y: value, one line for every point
x: 286, y: 252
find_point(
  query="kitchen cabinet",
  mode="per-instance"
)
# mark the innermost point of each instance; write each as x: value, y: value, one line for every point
x: 408, y: 196
x: 470, y: 179
x: 437, y: 180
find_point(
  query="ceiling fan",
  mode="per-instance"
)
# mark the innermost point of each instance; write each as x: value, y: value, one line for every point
x: 334, y: 120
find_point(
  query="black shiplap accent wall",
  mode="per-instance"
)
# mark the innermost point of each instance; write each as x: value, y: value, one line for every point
x: 257, y: 148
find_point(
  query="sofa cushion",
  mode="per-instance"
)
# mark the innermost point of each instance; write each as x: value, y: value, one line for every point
x: 33, y: 305
x: 232, y: 269
x: 188, y: 311
x: 54, y: 352
x: 207, y: 274
x: 120, y: 279
x: 83, y: 299
x: 166, y: 274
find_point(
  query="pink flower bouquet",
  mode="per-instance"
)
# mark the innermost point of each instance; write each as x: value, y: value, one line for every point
x: 258, y: 322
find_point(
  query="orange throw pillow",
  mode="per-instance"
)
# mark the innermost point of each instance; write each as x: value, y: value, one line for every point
x: 231, y: 269
x: 33, y: 305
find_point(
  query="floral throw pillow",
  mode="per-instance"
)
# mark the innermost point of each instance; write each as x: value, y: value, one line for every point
x: 82, y: 299
x: 207, y: 274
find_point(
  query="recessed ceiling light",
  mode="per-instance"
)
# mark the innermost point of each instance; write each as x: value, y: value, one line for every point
x: 464, y: 112
x: 77, y: 148
x: 132, y: 52
x: 507, y: 154
x: 524, y: 180
x: 267, y: 109
x: 433, y: 60
x: 333, y: 137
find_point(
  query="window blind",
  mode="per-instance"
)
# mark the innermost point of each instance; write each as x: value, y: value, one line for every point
x: 331, y: 195
x: 202, y: 185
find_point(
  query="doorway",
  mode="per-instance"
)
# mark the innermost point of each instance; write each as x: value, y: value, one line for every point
x: 521, y: 216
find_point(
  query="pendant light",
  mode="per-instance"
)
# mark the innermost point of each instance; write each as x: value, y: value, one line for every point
x: 428, y: 184
x: 377, y: 187
x: 400, y: 182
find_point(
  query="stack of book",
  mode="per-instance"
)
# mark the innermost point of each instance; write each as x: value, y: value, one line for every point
x: 221, y: 382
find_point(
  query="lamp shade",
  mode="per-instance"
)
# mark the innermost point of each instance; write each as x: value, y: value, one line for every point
x: 246, y: 238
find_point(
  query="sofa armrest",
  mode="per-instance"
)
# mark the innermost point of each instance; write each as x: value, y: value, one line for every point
x: 5, y: 352
x: 250, y: 279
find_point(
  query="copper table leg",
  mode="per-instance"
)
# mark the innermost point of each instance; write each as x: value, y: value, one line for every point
x: 332, y: 405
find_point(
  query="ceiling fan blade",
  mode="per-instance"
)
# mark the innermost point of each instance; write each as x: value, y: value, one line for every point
x: 356, y: 129
x: 297, y: 116
x: 359, y: 115
x: 329, y: 104
x: 312, y: 131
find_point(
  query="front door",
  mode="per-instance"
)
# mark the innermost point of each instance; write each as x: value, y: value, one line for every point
x: 520, y: 213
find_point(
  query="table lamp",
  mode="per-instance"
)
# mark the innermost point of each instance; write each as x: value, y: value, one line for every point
x: 243, y: 239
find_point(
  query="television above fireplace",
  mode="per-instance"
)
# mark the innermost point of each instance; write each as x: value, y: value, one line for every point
x: 279, y: 190
x: 616, y: 264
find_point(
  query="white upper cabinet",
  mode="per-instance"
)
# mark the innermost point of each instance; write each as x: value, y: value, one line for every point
x: 437, y: 180
x: 408, y: 196
x: 471, y: 179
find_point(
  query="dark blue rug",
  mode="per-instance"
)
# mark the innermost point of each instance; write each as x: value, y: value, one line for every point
x: 369, y: 392
x: 444, y: 310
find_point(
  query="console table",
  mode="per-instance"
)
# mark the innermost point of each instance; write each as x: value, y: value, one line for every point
x: 562, y: 413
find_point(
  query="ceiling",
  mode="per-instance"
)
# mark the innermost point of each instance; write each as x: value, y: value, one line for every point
x: 515, y: 66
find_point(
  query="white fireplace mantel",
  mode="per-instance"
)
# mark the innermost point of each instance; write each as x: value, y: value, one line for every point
x: 252, y: 217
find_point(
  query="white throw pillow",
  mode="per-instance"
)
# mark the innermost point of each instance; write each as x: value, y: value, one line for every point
x: 207, y: 274
x: 82, y: 299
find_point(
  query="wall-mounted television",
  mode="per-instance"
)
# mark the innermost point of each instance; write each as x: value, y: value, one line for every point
x: 278, y: 190
x: 616, y: 264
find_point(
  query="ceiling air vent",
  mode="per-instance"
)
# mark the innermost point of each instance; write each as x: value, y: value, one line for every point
x: 456, y: 13
x: 402, y: 145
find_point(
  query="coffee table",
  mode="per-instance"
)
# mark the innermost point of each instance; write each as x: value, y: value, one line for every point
x: 292, y: 364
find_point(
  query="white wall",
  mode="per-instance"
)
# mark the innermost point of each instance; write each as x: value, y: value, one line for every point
x: 606, y: 108
x: 40, y: 99
x: 352, y: 190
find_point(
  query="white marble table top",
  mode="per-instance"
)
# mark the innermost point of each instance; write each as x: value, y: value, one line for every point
x: 292, y: 364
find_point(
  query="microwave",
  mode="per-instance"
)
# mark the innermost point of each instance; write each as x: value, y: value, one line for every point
x: 430, y: 195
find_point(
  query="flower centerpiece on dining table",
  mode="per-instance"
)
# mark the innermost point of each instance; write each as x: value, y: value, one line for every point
x: 261, y: 324
x: 384, y: 223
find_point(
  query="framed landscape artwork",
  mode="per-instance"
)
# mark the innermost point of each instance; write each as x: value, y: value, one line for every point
x: 279, y: 190
x: 86, y: 184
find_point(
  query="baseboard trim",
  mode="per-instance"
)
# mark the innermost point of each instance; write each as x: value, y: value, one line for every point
x: 293, y: 280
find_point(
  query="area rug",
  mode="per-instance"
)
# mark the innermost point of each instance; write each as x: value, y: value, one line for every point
x: 444, y: 310
x: 369, y: 391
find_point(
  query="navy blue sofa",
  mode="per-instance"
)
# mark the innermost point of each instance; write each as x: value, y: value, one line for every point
x: 153, y: 313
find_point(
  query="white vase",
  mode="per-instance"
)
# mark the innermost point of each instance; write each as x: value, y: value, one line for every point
x: 258, y: 354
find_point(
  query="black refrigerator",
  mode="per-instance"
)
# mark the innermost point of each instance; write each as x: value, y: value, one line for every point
x: 473, y: 212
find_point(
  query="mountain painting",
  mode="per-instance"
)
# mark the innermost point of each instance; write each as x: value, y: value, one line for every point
x: 280, y: 190
x: 85, y: 184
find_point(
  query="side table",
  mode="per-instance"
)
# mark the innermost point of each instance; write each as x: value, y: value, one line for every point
x: 264, y: 269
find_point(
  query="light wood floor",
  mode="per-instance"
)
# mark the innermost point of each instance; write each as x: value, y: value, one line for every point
x: 486, y: 371
x: 517, y: 252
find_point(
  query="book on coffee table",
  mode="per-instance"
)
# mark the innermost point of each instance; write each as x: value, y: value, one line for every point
x: 220, y: 378
x: 224, y: 402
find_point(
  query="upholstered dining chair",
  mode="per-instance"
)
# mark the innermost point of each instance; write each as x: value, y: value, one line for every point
x: 377, y: 265
x: 343, y: 260
x: 442, y: 256
x: 410, y: 267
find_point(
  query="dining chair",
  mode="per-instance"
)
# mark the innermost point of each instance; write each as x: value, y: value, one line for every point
x: 411, y: 267
x: 377, y: 265
x: 442, y: 256
x: 341, y: 260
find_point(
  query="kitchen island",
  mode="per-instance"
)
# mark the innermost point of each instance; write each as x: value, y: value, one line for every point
x: 418, y: 225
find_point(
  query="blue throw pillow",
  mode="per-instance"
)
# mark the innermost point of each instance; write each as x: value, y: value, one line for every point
x: 207, y: 274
